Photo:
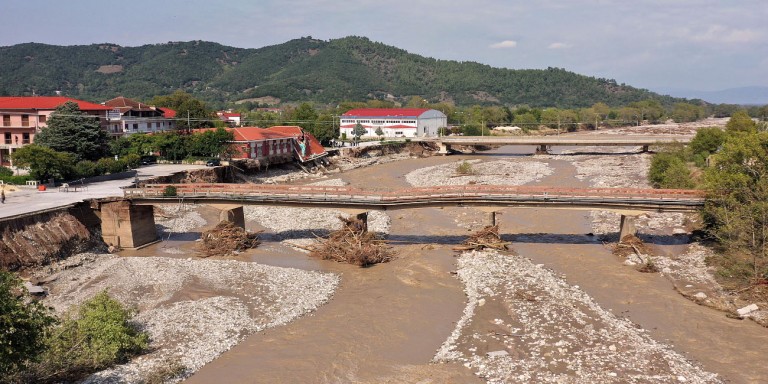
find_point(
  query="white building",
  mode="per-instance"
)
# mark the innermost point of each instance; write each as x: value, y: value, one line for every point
x: 128, y: 116
x: 394, y: 122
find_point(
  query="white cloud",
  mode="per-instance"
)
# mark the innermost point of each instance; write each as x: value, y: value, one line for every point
x: 720, y: 34
x: 559, y: 46
x: 505, y: 44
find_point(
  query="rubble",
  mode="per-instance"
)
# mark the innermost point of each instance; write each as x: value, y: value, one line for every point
x: 353, y: 244
x: 487, y: 237
x: 226, y: 238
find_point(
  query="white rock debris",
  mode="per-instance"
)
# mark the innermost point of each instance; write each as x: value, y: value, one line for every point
x: 177, y: 218
x: 592, y: 346
x: 500, y: 172
x: 185, y: 322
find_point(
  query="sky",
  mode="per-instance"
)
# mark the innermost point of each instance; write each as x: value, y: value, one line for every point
x: 703, y: 45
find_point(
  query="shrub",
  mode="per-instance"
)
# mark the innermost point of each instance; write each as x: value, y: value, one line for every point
x: 18, y: 180
x: 110, y: 165
x: 23, y: 325
x: 86, y: 168
x: 668, y: 170
x: 132, y: 160
x: 169, y: 190
x: 465, y: 168
x: 5, y: 171
x: 98, y: 337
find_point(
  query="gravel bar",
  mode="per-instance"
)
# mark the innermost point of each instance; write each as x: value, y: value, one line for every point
x: 552, y: 332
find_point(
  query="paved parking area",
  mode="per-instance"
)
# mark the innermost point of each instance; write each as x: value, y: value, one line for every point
x: 27, y: 200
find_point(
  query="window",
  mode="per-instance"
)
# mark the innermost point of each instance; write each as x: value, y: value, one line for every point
x: 6, y: 120
x: 25, y: 120
x: 8, y: 138
x: 157, y: 125
x: 42, y: 118
x: 25, y: 138
x: 135, y: 126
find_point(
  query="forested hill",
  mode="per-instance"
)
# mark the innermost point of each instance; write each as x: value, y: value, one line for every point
x: 306, y: 69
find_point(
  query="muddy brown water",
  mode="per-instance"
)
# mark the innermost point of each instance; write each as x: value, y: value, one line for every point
x: 385, y: 323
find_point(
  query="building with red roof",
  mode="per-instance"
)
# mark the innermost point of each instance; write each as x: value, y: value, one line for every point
x: 274, y: 145
x: 129, y: 116
x: 23, y: 116
x: 232, y: 118
x: 393, y: 122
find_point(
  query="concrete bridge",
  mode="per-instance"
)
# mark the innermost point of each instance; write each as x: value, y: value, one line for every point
x: 544, y: 143
x: 129, y: 222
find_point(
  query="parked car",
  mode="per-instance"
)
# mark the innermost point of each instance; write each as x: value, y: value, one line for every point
x: 147, y: 160
x: 213, y: 163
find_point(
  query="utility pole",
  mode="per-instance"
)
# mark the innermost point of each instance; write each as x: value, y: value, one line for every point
x: 189, y: 127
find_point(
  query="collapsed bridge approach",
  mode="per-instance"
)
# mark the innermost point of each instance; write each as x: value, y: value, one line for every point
x: 128, y: 222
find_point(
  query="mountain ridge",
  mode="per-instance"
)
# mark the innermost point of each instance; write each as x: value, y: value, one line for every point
x: 347, y: 69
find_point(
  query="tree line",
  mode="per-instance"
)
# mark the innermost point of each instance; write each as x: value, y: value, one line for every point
x: 73, y: 146
x: 731, y: 166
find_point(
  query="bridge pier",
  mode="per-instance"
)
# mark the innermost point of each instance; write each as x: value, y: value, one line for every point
x: 646, y: 148
x: 363, y: 217
x: 444, y: 148
x: 232, y: 214
x: 125, y: 225
x: 627, y: 227
x: 542, y: 149
x: 491, y: 221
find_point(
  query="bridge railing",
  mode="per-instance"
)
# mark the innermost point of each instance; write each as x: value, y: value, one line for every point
x: 408, y: 194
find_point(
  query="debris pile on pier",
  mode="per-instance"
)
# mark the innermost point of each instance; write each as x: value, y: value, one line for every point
x: 487, y: 237
x: 353, y: 244
x: 225, y: 239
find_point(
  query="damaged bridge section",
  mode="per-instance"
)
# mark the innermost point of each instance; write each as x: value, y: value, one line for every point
x: 42, y: 237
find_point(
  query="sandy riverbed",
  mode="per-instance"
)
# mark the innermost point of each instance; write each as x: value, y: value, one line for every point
x: 536, y: 323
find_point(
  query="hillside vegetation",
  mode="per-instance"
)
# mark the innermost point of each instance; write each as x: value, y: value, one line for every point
x: 306, y: 69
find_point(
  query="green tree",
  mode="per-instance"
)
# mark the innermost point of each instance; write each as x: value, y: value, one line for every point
x: 96, y: 337
x: 668, y: 170
x: 526, y: 120
x: 325, y: 128
x: 191, y: 113
x: 69, y: 130
x: 706, y: 142
x: 379, y: 132
x: 359, y: 130
x: 210, y: 143
x: 43, y: 162
x: 686, y: 112
x: 736, y: 211
x: 172, y: 145
x: 741, y: 122
x: 23, y: 326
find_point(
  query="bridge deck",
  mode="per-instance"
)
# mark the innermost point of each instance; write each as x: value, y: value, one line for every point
x: 560, y: 140
x: 347, y: 197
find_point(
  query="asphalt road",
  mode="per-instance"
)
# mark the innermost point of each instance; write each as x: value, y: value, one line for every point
x: 27, y: 200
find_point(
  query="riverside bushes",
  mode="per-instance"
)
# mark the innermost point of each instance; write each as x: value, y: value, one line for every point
x: 94, y: 336
x: 731, y: 166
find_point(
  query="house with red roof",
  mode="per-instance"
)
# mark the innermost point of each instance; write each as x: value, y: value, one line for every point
x: 393, y: 122
x: 275, y: 145
x: 233, y: 119
x: 129, y: 116
x: 23, y: 116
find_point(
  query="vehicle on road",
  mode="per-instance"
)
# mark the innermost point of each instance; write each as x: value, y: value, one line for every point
x: 213, y: 163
